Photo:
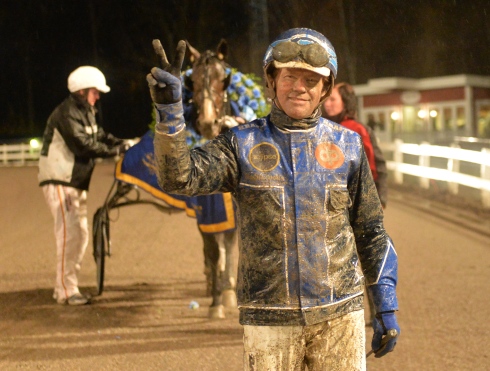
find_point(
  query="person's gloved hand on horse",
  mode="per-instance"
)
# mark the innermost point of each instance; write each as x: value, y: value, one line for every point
x: 166, y: 89
x: 386, y: 333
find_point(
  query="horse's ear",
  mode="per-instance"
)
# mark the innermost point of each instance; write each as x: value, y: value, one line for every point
x: 195, y: 55
x: 222, y: 50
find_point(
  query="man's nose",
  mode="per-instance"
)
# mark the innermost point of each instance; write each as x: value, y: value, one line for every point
x: 300, y: 84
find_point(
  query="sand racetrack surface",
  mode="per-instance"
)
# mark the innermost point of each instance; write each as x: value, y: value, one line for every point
x: 142, y: 321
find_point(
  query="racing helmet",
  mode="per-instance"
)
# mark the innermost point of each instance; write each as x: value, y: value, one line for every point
x: 302, y: 48
x: 85, y: 77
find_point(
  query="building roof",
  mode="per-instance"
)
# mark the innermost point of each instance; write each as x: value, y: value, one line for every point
x: 388, y: 84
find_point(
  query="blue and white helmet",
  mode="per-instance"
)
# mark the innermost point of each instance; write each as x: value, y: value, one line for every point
x: 302, y: 48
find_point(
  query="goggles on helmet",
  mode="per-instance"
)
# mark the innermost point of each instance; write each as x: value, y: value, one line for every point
x: 313, y: 54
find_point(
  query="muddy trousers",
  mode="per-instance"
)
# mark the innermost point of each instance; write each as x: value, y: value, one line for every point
x: 335, y: 345
x: 69, y: 209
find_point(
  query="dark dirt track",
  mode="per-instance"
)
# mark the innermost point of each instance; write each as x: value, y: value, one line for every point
x: 142, y: 320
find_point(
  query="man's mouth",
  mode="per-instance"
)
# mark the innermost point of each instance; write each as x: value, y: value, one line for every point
x: 297, y: 99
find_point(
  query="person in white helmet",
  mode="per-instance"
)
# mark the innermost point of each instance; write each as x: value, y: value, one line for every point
x: 311, y: 222
x: 72, y: 140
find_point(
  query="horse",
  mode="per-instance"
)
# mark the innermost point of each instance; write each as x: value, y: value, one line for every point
x: 208, y: 115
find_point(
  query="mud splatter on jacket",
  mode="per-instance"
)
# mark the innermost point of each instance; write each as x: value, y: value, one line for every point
x: 311, y: 222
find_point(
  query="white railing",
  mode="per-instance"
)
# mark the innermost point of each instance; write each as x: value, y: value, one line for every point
x: 25, y: 154
x: 28, y: 154
x: 452, y: 158
x: 18, y: 154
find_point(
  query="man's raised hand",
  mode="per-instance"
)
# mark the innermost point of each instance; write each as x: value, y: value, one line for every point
x: 164, y: 83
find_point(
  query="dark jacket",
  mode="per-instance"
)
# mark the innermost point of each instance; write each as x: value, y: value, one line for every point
x: 71, y: 141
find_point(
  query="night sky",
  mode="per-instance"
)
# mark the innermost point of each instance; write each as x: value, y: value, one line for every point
x: 42, y: 41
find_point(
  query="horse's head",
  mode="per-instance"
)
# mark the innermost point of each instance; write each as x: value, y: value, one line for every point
x: 208, y: 82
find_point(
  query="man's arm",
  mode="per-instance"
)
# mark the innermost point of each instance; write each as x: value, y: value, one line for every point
x: 212, y: 168
x: 80, y: 142
x: 378, y: 257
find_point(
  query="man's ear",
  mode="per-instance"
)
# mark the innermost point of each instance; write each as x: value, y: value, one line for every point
x: 328, y: 83
x: 270, y: 86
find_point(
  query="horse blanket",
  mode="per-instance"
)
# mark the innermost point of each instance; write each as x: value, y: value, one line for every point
x: 214, y: 213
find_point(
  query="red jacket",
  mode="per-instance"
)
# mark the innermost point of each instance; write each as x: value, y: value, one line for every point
x: 366, y: 140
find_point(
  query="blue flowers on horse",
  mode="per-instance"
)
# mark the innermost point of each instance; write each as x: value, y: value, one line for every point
x: 245, y: 94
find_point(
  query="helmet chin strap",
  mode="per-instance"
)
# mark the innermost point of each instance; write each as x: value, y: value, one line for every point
x: 278, y: 105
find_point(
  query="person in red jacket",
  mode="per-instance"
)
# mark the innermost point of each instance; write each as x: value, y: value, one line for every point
x: 341, y: 107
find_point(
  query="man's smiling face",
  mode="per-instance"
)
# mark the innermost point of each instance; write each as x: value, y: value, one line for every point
x: 298, y: 91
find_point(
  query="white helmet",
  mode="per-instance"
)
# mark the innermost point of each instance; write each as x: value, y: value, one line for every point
x: 85, y: 77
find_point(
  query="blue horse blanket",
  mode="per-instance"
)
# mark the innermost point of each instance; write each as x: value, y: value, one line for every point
x: 214, y: 213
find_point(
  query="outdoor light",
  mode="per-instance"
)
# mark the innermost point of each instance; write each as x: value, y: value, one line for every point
x: 433, y: 113
x: 395, y: 115
x: 422, y: 114
x: 34, y: 143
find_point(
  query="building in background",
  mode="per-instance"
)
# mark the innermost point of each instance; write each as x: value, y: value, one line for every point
x: 435, y: 109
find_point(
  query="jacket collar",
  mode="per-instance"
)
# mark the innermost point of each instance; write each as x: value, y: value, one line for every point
x: 279, y: 118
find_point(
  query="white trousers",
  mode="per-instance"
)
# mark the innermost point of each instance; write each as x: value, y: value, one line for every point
x: 69, y: 209
x: 333, y: 345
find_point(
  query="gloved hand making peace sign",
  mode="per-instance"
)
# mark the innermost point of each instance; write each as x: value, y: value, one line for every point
x: 166, y: 89
x: 165, y: 85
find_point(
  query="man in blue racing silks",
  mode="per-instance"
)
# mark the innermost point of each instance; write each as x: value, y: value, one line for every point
x: 311, y: 222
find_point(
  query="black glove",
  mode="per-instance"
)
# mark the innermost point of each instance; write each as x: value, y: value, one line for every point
x: 165, y: 84
x: 121, y: 149
x: 112, y: 140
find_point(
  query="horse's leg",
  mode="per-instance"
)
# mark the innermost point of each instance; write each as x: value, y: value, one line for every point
x: 230, y: 240
x: 207, y: 270
x: 211, y: 253
x: 220, y: 240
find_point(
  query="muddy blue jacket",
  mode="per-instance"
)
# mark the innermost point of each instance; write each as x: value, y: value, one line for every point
x: 311, y: 223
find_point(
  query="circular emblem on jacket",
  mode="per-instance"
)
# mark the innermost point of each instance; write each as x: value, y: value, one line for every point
x: 329, y: 155
x: 264, y: 157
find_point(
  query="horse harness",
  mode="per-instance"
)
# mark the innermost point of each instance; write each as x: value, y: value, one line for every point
x: 208, y: 59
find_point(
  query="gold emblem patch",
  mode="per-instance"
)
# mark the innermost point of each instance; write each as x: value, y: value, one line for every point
x: 264, y: 157
x: 329, y: 155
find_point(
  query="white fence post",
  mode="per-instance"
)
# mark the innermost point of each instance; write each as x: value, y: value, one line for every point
x: 485, y: 174
x: 398, y: 159
x: 424, y: 161
x: 4, y: 154
x: 18, y: 154
x: 453, y: 166
x: 23, y: 149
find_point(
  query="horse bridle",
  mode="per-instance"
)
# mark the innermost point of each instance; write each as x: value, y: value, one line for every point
x: 206, y: 59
